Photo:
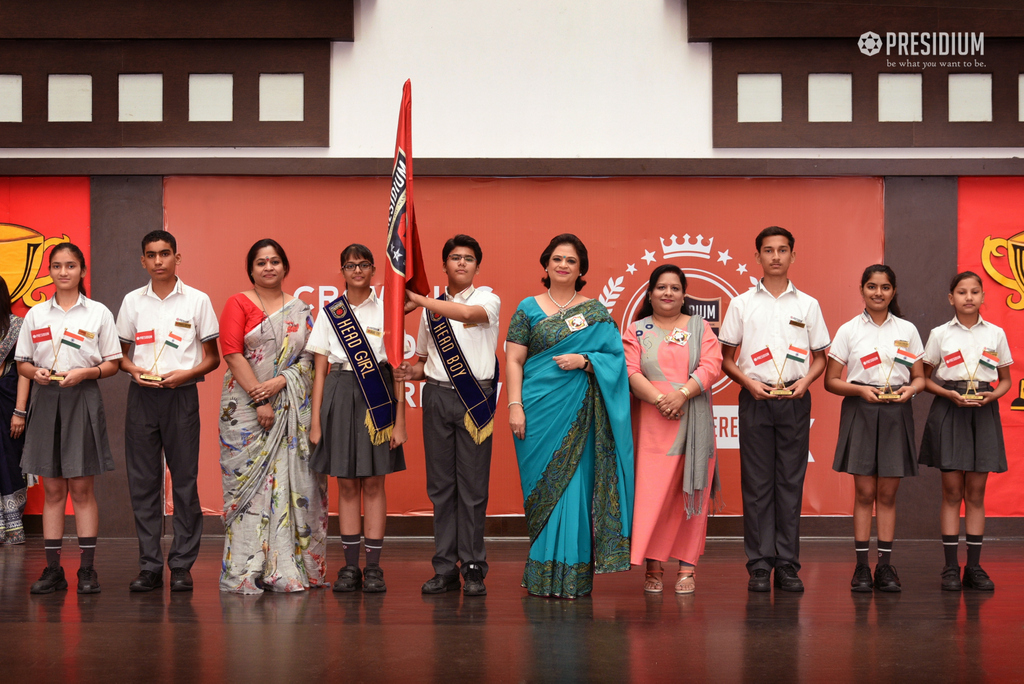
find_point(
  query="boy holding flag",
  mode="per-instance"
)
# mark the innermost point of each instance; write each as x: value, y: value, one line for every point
x: 766, y: 337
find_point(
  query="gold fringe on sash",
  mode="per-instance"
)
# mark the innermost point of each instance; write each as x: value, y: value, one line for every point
x: 478, y: 434
x: 378, y: 437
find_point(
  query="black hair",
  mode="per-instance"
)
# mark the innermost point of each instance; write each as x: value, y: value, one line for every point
x: 894, y: 307
x: 771, y: 231
x: 77, y: 253
x: 356, y: 250
x: 5, y: 309
x: 250, y: 258
x: 159, y: 236
x: 647, y: 308
x: 964, y: 276
x: 581, y: 252
x: 461, y: 240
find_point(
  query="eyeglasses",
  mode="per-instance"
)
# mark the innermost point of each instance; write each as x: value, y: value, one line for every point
x: 462, y: 257
x: 362, y: 266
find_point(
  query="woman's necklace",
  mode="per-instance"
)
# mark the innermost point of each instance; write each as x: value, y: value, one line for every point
x: 561, y: 307
x: 273, y: 332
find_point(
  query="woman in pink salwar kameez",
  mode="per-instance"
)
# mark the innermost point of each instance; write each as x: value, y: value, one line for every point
x: 673, y: 359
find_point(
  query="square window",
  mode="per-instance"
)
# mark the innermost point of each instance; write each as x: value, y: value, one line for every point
x: 281, y: 97
x: 140, y: 97
x: 10, y: 98
x: 758, y: 97
x: 899, y: 97
x: 970, y: 97
x: 211, y: 97
x: 830, y: 97
x: 69, y: 97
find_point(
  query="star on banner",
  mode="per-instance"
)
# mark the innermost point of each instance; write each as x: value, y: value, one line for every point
x: 649, y: 257
x: 723, y: 257
x: 630, y: 269
x: 741, y: 269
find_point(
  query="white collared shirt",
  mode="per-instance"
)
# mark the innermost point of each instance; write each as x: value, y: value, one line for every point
x: 477, y: 340
x: 323, y: 339
x: 89, y: 325
x: 860, y: 338
x: 954, y: 336
x: 148, y: 322
x: 756, y: 320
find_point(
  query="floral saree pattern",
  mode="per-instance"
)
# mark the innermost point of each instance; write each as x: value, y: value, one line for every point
x: 275, y: 506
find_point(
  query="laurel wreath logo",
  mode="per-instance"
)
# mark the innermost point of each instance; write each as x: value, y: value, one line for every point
x: 610, y: 293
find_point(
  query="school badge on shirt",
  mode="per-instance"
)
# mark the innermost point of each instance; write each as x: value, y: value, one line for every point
x: 577, y: 322
x: 679, y: 336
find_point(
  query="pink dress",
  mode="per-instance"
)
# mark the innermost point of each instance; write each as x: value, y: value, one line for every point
x: 661, y: 529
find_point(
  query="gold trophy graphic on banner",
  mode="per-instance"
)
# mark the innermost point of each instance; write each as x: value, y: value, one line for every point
x: 21, y: 255
x: 1013, y: 249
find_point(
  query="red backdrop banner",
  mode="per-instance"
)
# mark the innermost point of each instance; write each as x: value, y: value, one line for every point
x: 630, y: 225
x: 991, y: 243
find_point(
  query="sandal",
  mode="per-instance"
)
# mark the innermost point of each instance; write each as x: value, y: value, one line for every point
x: 652, y: 582
x: 685, y: 584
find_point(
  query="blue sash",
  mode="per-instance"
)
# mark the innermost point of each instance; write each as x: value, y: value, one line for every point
x: 380, y: 417
x: 479, y: 404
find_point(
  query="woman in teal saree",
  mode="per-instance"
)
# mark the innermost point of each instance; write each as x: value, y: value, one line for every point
x: 569, y: 410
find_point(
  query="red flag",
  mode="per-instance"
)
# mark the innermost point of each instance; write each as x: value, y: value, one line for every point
x: 762, y: 356
x: 871, y: 360
x: 405, y: 260
x: 954, y: 359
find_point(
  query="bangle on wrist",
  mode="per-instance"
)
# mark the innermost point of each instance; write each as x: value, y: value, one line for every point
x: 659, y: 398
x: 99, y: 373
x: 516, y: 403
x: 685, y: 391
x: 586, y: 362
x: 20, y: 413
x: 261, y: 402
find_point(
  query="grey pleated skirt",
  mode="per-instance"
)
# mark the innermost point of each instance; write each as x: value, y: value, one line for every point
x: 66, y: 432
x: 876, y: 439
x: 345, y: 449
x: 964, y: 438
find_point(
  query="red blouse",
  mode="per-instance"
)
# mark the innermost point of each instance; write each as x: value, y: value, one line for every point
x: 239, y: 317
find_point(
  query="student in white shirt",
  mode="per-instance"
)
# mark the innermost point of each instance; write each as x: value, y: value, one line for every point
x: 174, y: 330
x: 881, y: 353
x: 67, y: 343
x: 773, y: 339
x: 967, y: 366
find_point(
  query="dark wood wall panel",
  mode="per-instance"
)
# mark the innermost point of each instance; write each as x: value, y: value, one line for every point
x: 116, y: 19
x: 105, y: 60
x: 123, y: 210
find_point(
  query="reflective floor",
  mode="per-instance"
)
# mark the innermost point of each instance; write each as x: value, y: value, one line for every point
x: 722, y: 633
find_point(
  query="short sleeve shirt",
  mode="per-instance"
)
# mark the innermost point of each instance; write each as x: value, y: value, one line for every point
x: 81, y: 337
x: 953, y: 337
x: 323, y: 339
x: 858, y: 340
x: 477, y: 340
x: 756, y: 320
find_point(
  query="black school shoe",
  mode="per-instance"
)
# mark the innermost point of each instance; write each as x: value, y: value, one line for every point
x: 439, y: 584
x: 181, y: 579
x: 976, y: 578
x: 50, y: 581
x: 88, y: 581
x: 886, y: 578
x: 786, y: 578
x: 861, y: 581
x: 951, y: 578
x: 373, y: 580
x: 760, y: 580
x: 146, y: 581
x: 474, y: 581
x: 350, y: 578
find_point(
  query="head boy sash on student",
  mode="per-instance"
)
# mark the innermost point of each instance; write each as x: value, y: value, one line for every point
x: 479, y: 404
x: 380, y: 417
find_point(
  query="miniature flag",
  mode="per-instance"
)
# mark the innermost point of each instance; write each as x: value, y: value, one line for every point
x: 146, y: 337
x: 989, y: 360
x: 905, y: 357
x: 796, y: 354
x: 871, y: 360
x: 762, y: 356
x: 172, y: 340
x: 72, y: 339
x: 41, y: 335
x: 954, y: 359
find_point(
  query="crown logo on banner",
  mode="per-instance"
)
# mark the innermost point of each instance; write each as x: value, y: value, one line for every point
x: 687, y: 249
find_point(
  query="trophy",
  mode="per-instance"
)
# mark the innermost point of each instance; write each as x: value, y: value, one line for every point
x: 987, y: 359
x: 54, y: 375
x: 152, y: 375
x: 904, y: 358
x: 798, y: 355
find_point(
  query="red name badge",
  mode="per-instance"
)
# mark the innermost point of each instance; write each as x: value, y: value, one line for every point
x: 871, y: 360
x: 954, y: 359
x: 762, y: 356
x: 41, y: 335
x: 147, y: 337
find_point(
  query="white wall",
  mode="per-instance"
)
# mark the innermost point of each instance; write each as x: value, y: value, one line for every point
x: 522, y: 78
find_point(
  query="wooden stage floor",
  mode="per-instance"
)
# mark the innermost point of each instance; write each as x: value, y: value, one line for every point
x: 722, y: 633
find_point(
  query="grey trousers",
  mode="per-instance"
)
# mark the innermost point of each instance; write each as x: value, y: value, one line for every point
x: 163, y: 424
x: 774, y: 443
x: 458, y: 477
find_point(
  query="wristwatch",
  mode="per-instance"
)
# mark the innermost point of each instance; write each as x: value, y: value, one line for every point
x: 586, y: 362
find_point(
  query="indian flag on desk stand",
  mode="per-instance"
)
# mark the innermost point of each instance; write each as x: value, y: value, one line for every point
x: 172, y: 340
x: 989, y: 360
x: 72, y: 339
x: 796, y: 354
x: 905, y: 358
